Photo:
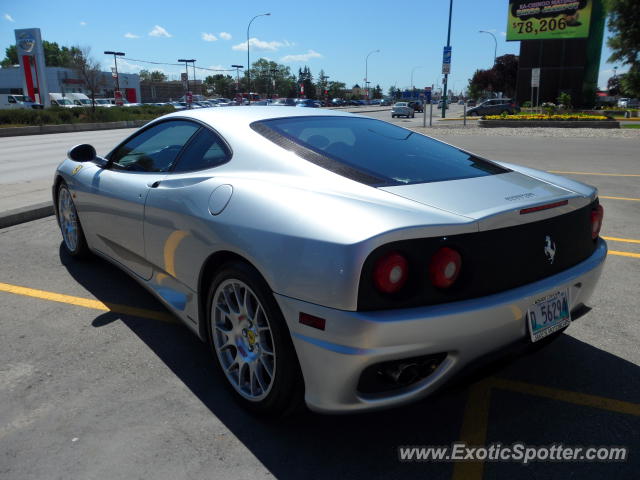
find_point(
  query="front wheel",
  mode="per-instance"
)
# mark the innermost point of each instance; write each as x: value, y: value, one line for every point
x: 251, y: 342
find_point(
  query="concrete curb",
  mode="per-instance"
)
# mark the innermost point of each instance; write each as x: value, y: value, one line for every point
x: 25, y: 214
x: 549, y: 123
x: 69, y: 127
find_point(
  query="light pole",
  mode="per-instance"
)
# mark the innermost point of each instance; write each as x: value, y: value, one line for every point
x: 495, y: 50
x: 115, y: 62
x: 366, y: 71
x: 186, y: 69
x: 237, y: 67
x: 413, y: 70
x: 444, y: 97
x: 248, y: 61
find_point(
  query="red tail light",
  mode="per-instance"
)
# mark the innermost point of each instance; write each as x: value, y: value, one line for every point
x: 391, y: 272
x: 597, y: 214
x: 445, y: 267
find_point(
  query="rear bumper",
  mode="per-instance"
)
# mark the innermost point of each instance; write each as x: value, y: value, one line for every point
x: 333, y: 360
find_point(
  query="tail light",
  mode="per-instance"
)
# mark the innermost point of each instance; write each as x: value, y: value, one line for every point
x: 597, y: 214
x: 445, y: 267
x: 391, y: 272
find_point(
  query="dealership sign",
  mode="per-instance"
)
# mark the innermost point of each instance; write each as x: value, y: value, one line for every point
x: 31, y: 58
x: 548, y: 19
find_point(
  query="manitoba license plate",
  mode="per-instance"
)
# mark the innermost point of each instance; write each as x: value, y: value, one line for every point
x: 549, y: 314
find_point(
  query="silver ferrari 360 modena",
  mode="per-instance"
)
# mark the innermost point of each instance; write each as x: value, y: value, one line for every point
x: 332, y: 258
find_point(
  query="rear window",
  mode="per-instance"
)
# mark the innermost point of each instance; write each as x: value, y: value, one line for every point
x: 373, y: 152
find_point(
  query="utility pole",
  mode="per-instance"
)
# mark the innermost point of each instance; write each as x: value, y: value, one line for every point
x: 187, y: 94
x: 237, y: 67
x: 117, y: 96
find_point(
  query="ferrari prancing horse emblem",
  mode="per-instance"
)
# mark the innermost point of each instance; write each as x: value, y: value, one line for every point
x: 549, y: 249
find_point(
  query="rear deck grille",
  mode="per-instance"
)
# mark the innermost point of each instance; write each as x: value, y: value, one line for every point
x: 492, y: 261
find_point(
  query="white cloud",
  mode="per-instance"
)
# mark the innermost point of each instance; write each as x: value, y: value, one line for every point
x: 131, y: 35
x: 257, y: 44
x: 218, y: 67
x: 225, y: 36
x: 209, y: 37
x: 83, y: 23
x: 8, y: 17
x: 158, y: 31
x: 302, y: 57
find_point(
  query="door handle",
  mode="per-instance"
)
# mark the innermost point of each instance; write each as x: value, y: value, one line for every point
x: 155, y: 184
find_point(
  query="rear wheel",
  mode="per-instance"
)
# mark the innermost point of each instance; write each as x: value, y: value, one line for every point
x: 251, y: 342
x: 72, y: 234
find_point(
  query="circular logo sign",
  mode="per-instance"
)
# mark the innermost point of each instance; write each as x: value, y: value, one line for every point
x: 26, y: 41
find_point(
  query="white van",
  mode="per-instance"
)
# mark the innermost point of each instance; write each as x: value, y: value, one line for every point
x: 11, y: 101
x: 58, y: 100
x: 79, y: 99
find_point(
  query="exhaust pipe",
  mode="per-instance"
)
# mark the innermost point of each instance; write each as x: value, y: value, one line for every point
x: 402, y: 373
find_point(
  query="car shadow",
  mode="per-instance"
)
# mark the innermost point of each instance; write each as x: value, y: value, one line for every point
x: 365, y: 445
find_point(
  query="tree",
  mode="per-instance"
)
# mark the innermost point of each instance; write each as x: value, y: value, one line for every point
x: 336, y: 89
x: 88, y: 70
x: 271, y: 78
x: 377, y: 92
x: 305, y: 82
x: 155, y: 76
x: 222, y: 85
x: 613, y: 86
x: 499, y: 78
x: 624, y: 25
x: 54, y: 55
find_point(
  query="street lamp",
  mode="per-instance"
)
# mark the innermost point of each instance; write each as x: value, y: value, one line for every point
x: 413, y: 70
x: 495, y: 50
x: 366, y: 71
x: 237, y: 67
x: 115, y: 61
x: 446, y: 74
x: 186, y: 69
x: 248, y: 61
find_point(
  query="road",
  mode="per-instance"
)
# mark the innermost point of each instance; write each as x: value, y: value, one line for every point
x: 98, y: 381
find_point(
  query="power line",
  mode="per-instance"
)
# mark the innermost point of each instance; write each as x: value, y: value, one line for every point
x: 175, y: 64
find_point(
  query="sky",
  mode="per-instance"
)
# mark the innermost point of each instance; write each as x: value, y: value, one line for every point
x: 336, y: 37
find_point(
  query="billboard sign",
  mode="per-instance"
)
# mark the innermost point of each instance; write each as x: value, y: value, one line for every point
x: 548, y: 19
x: 535, y: 77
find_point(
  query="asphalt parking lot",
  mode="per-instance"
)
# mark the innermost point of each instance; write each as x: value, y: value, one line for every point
x: 97, y: 380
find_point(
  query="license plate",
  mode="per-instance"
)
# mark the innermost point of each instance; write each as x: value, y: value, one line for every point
x: 549, y: 314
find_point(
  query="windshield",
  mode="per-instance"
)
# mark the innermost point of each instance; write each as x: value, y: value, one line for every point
x: 22, y: 98
x: 102, y: 101
x: 64, y: 101
x: 373, y: 152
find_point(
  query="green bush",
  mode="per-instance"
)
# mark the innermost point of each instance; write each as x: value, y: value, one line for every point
x: 57, y: 116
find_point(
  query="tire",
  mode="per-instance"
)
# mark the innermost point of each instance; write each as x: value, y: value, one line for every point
x: 393, y: 116
x: 413, y: 115
x: 251, y: 344
x: 73, y: 239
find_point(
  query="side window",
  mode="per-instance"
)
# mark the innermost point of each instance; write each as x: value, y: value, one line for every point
x: 206, y: 150
x: 155, y: 149
x: 12, y: 100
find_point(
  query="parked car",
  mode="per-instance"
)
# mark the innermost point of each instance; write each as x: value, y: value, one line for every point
x: 402, y: 109
x: 417, y: 106
x: 306, y: 102
x: 103, y: 102
x: 333, y: 258
x: 442, y: 102
x: 471, y: 103
x: 287, y: 102
x: 385, y: 102
x: 61, y: 100
x: 15, y: 102
x: 622, y: 102
x: 338, y: 102
x: 495, y: 106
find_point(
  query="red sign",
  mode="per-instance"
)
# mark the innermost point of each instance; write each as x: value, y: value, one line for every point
x: 189, y: 97
x: 118, y: 97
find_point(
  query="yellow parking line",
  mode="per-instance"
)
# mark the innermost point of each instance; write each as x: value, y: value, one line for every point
x: 593, y: 173
x: 474, y: 428
x: 624, y: 254
x: 476, y: 414
x: 620, y: 198
x: 87, y: 303
x: 626, y: 240
x: 568, y: 396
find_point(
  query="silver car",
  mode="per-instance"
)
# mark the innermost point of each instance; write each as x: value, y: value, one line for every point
x: 330, y: 257
x: 402, y: 109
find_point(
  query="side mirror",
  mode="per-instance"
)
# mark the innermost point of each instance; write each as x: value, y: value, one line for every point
x: 82, y: 153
